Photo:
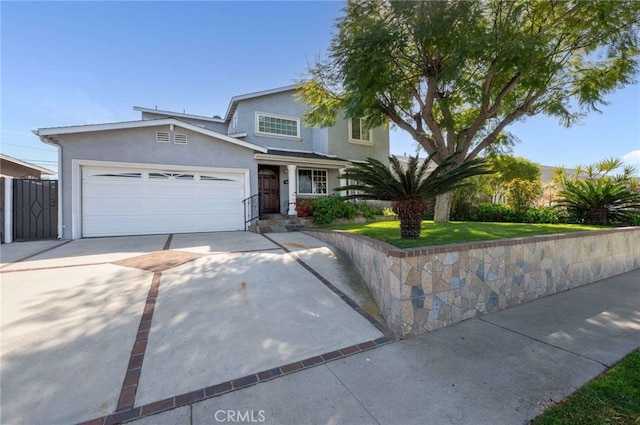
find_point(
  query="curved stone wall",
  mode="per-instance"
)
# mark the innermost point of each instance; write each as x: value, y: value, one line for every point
x: 419, y: 290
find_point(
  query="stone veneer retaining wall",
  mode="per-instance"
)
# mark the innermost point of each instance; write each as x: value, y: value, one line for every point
x: 419, y: 290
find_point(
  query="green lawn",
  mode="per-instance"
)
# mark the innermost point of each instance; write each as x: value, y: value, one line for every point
x: 456, y: 232
x: 613, y: 398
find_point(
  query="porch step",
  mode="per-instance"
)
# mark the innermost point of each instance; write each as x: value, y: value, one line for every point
x: 281, y: 224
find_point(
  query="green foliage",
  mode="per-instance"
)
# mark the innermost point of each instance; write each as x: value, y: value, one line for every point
x: 479, y: 189
x: 388, y: 212
x: 612, y: 398
x: 604, y: 169
x: 403, y: 182
x: 485, y: 188
x: 545, y: 215
x: 602, y: 201
x: 492, y: 213
x: 521, y: 194
x: 509, y: 168
x: 368, y: 211
x: 328, y: 208
x: 455, y: 74
x: 408, y: 185
x: 634, y: 220
x: 502, y: 213
x: 456, y: 232
x: 303, y: 207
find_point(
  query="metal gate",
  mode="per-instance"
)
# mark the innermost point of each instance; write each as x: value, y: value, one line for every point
x: 35, y: 209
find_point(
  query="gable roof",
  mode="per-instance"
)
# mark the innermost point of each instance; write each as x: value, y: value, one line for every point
x: 51, y: 134
x: 178, y: 115
x: 235, y: 99
x: 26, y: 164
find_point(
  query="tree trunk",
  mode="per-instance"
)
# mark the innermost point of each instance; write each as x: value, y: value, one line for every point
x: 410, y: 213
x: 442, y: 209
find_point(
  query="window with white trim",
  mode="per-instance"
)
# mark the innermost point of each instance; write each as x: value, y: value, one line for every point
x: 359, y: 132
x: 277, y: 125
x: 312, y: 182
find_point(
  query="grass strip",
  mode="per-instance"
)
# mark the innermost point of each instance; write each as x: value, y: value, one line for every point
x: 456, y: 232
x: 612, y: 398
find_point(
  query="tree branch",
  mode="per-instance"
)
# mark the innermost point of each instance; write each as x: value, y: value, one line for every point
x: 427, y: 116
x: 523, y: 109
x: 426, y: 142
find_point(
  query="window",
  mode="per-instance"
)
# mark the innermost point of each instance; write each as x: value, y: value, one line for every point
x: 127, y: 175
x: 213, y: 179
x: 277, y: 125
x: 359, y: 132
x: 312, y: 182
x: 171, y: 176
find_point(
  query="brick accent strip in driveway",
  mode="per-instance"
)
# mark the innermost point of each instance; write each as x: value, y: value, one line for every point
x: 127, y: 397
x: 131, y: 413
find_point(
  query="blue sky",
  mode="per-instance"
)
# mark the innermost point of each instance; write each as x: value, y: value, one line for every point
x: 70, y: 63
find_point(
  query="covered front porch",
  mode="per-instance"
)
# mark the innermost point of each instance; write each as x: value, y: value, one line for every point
x: 284, y: 176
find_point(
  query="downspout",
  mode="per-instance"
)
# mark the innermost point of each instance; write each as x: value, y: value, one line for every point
x: 46, y: 141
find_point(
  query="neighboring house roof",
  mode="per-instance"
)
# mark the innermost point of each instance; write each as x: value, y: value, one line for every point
x: 178, y: 115
x: 38, y: 169
x: 235, y: 99
x: 404, y: 159
x: 52, y: 133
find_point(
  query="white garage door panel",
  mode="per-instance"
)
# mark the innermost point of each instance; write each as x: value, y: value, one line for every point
x: 119, y: 201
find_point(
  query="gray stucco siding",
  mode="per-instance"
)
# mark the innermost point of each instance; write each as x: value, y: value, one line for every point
x: 340, y: 145
x: 281, y: 104
x: 140, y: 146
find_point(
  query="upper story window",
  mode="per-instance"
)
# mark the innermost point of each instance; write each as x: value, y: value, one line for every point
x: 359, y: 133
x: 277, y: 125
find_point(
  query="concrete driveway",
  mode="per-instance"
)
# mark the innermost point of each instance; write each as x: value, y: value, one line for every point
x: 102, y: 330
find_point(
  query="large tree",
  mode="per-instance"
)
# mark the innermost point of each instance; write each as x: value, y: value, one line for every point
x: 455, y: 74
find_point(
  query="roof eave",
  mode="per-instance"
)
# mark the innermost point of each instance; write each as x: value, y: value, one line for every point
x: 57, y: 131
x: 178, y: 114
x: 22, y: 163
x: 233, y: 103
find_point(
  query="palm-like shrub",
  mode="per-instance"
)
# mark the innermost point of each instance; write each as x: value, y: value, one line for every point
x: 599, y: 202
x: 408, y: 186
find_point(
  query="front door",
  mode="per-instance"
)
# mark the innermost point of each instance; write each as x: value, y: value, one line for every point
x: 269, y: 189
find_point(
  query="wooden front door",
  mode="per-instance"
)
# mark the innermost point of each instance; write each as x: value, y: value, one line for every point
x: 269, y: 189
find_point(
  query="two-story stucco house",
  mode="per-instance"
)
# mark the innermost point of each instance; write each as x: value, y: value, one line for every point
x: 173, y: 172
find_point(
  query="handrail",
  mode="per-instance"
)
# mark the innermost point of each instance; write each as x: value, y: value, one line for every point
x: 251, y: 209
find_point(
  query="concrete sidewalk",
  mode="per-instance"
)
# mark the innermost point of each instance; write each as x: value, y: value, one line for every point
x: 501, y: 368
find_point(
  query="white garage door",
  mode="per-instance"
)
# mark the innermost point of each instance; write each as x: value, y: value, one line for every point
x: 128, y: 201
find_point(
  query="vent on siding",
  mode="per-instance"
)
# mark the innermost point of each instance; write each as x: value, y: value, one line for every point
x: 180, y: 139
x: 162, y: 136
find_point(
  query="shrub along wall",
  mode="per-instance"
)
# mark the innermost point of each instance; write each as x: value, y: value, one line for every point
x: 419, y: 290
